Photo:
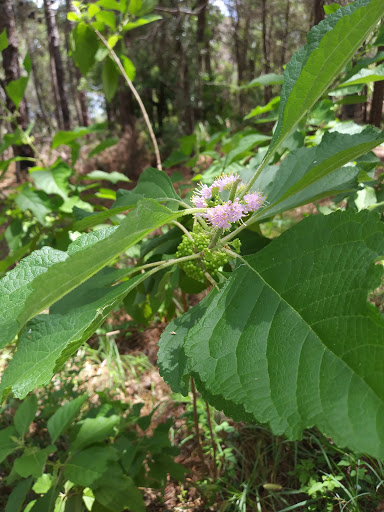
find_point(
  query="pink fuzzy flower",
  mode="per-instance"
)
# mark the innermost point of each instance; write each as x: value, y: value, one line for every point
x: 225, y: 181
x: 223, y: 215
x: 199, y: 202
x: 253, y: 201
x: 205, y: 192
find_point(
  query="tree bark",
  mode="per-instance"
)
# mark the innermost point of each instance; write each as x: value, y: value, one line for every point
x: 318, y: 11
x: 12, y: 72
x: 376, y: 114
x: 285, y: 34
x: 54, y: 46
x: 79, y: 96
x: 267, y: 64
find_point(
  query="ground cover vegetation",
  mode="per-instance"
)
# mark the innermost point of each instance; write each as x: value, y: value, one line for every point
x: 191, y: 292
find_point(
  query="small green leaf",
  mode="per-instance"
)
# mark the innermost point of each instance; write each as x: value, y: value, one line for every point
x: 25, y: 414
x: 108, y: 18
x: 27, y: 63
x: 66, y: 137
x: 16, y: 89
x: 365, y: 76
x: 85, y: 45
x: 54, y: 180
x: 72, y: 16
x: 32, y: 461
x: 264, y: 80
x: 246, y: 144
x: 110, y: 4
x: 94, y: 430
x: 7, y: 445
x: 128, y: 67
x: 134, y: 6
x: 3, y: 40
x: 113, y: 177
x: 93, y: 9
x: 107, y: 143
x: 271, y: 105
x: 144, y: 20
x: 43, y: 483
x: 35, y: 201
x: 331, y: 8
x: 64, y: 416
x: 152, y: 183
x: 110, y: 78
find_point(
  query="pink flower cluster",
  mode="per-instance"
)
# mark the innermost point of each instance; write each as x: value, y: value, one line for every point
x: 223, y: 215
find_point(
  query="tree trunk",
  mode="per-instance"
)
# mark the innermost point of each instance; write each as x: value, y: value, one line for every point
x: 200, y: 43
x: 267, y: 65
x: 318, y: 11
x: 376, y: 114
x: 54, y: 46
x: 79, y: 96
x: 285, y: 35
x: 12, y: 72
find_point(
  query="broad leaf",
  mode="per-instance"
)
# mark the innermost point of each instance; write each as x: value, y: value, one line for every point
x: 94, y: 430
x: 292, y: 339
x: 64, y: 416
x: 331, y: 45
x: 152, y: 183
x: 257, y: 111
x: 245, y: 144
x: 46, y: 275
x: 85, y: 45
x: 311, y: 173
x: 25, y: 414
x: 89, y: 465
x: 53, y: 181
x: 32, y: 461
x: 144, y: 20
x: 117, y: 492
x: 34, y: 200
x: 129, y: 67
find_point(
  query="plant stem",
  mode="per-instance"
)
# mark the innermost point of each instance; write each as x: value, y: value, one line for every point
x: 196, y: 423
x: 160, y: 265
x: 136, y: 95
x: 180, y: 226
x: 215, y: 238
x: 214, y: 471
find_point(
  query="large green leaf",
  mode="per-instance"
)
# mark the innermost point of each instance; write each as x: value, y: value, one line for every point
x: 311, y: 173
x: 94, y: 430
x: 48, y: 274
x: 292, y: 339
x: 34, y: 200
x: 71, y: 321
x: 330, y: 45
x: 53, y: 181
x: 18, y: 495
x: 7, y: 444
x: 152, y: 183
x: 89, y: 465
x: 110, y: 78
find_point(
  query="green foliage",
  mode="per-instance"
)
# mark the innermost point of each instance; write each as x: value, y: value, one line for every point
x: 100, y: 456
x: 311, y: 376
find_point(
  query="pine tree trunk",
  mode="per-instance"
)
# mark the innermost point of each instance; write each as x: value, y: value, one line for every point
x: 12, y: 72
x: 54, y: 45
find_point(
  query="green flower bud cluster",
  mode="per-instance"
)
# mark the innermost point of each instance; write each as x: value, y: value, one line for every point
x: 210, y: 261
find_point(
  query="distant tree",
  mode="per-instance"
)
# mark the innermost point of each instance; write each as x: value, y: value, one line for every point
x: 376, y: 114
x: 12, y: 72
x: 57, y: 67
